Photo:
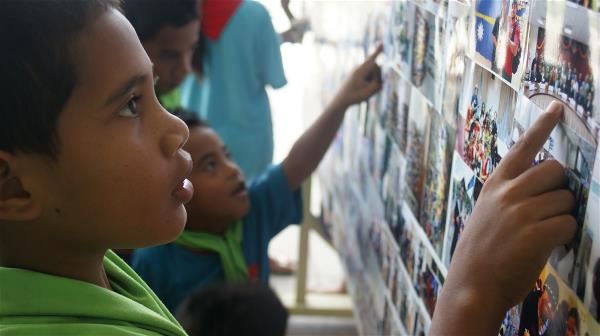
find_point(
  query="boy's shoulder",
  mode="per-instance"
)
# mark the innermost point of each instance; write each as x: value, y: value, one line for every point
x: 274, y: 174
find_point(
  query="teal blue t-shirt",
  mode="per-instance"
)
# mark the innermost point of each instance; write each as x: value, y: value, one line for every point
x: 173, y: 272
x: 232, y: 97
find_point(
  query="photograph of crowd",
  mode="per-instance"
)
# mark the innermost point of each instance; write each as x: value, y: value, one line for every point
x: 488, y: 116
x: 560, y: 68
x: 499, y: 35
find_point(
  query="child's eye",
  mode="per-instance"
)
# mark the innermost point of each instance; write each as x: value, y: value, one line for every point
x: 131, y: 109
x: 209, y: 166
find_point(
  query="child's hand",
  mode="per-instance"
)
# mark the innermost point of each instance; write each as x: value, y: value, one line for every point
x: 522, y: 214
x: 363, y: 82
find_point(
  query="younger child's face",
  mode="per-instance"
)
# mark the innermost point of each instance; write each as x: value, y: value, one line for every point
x: 171, y: 51
x: 118, y: 178
x: 221, y: 196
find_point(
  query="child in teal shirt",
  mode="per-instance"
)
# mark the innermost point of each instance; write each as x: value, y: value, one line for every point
x: 89, y: 161
x: 239, y: 61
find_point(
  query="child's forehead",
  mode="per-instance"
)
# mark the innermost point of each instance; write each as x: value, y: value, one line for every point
x: 203, y: 139
x: 109, y: 53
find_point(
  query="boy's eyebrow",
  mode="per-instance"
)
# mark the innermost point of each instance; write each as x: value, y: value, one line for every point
x: 207, y: 155
x: 125, y: 88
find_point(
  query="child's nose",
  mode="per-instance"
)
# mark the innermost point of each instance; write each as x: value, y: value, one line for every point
x: 176, y: 136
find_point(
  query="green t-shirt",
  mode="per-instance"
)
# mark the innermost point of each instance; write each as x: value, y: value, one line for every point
x: 171, y: 100
x: 33, y: 303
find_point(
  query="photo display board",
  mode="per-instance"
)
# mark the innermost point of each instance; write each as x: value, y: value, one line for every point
x: 462, y: 82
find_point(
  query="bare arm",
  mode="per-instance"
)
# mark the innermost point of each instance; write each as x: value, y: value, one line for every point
x: 309, y: 149
x: 285, y: 4
x: 522, y: 214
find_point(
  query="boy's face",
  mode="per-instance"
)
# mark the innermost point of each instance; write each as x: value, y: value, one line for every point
x: 221, y: 196
x: 118, y: 180
x: 171, y: 51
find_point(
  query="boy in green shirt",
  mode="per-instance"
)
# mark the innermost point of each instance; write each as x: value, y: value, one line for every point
x: 89, y: 161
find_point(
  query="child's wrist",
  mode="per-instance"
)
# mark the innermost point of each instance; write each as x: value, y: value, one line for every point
x: 479, y: 302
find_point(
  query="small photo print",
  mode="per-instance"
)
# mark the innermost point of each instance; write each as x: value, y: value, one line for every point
x: 455, y: 66
x: 400, y: 133
x: 551, y: 308
x: 463, y: 193
x: 429, y: 283
x: 427, y: 60
x: 435, y: 189
x: 592, y: 283
x: 416, y: 146
x: 563, y: 65
x: 488, y: 109
x: 393, y: 194
x: 500, y: 37
x: 401, y: 33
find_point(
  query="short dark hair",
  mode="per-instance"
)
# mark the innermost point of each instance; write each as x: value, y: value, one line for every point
x: 148, y: 17
x: 228, y: 309
x: 39, y: 69
x: 189, y: 118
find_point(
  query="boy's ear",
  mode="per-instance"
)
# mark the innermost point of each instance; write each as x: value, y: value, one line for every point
x: 16, y: 204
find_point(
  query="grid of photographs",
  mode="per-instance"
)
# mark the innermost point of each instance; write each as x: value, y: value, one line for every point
x: 462, y: 82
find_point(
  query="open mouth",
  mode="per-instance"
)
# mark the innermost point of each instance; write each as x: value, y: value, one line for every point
x: 184, y: 191
x: 240, y: 189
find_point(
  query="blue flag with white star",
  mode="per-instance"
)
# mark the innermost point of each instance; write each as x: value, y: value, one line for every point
x: 487, y: 13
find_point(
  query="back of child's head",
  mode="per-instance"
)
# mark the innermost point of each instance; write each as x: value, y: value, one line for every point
x: 232, y: 309
x: 148, y: 17
x: 39, y: 68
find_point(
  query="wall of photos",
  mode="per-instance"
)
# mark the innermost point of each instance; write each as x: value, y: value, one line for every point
x: 463, y: 80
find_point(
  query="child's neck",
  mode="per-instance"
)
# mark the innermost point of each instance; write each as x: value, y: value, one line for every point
x: 40, y: 256
x: 212, y: 226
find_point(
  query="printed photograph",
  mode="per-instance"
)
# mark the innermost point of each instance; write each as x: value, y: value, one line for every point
x: 429, y: 283
x: 400, y: 133
x: 427, y: 59
x: 401, y: 33
x: 416, y: 146
x: 500, y: 37
x: 463, y: 193
x: 488, y: 110
x: 551, y: 308
x: 565, y: 67
x: 455, y: 65
x: 435, y: 189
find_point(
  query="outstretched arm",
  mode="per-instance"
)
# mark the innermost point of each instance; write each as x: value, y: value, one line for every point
x: 310, y: 148
x: 522, y: 214
x: 285, y: 4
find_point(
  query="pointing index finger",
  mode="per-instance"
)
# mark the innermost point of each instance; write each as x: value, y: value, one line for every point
x: 522, y: 154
